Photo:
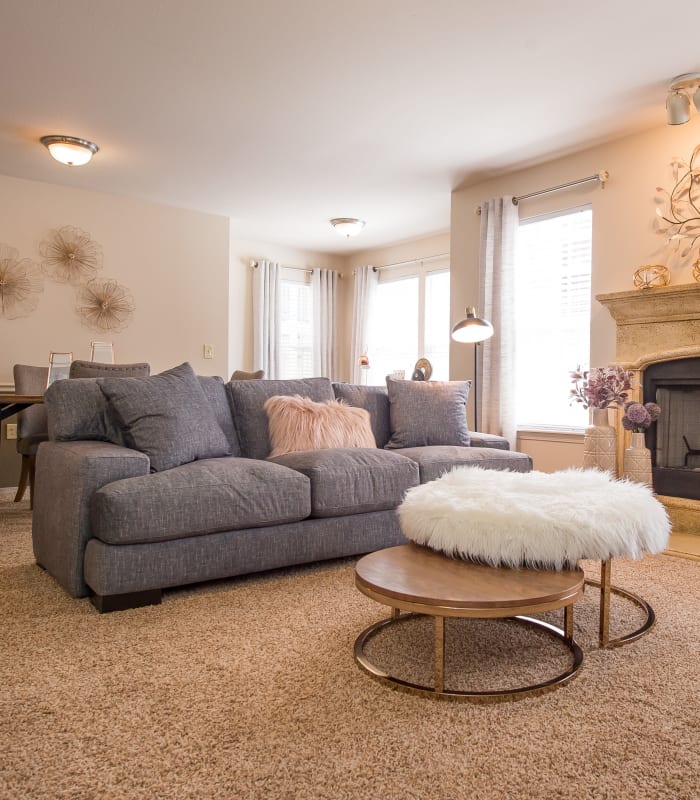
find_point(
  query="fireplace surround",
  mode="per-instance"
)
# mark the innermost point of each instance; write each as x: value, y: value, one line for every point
x: 658, y: 338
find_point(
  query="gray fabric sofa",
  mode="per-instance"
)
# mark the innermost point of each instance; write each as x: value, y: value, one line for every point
x: 105, y: 524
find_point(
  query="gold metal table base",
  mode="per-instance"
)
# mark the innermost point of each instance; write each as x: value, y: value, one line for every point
x: 606, y: 589
x: 438, y: 690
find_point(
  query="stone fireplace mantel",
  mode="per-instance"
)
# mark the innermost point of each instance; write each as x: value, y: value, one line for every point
x: 653, y: 325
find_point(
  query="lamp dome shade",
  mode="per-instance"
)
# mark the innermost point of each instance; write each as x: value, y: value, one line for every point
x: 70, y: 150
x: 472, y: 328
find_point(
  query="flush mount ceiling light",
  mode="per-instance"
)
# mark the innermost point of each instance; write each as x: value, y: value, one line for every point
x: 348, y: 226
x: 678, y: 100
x: 69, y: 150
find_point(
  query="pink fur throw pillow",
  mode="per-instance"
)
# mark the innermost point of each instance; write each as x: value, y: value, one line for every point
x: 296, y: 423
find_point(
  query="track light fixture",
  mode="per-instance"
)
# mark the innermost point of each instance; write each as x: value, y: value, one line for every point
x: 678, y: 100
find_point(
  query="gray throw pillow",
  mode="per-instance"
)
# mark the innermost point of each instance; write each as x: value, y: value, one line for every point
x: 372, y: 398
x: 425, y: 413
x: 166, y: 416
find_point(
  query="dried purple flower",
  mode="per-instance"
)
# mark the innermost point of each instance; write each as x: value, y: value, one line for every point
x: 637, y: 414
x: 601, y: 387
x: 653, y: 410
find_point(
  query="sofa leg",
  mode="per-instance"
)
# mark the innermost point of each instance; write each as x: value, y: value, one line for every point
x: 121, y: 602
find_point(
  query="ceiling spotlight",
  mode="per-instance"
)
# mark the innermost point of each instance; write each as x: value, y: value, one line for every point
x: 348, y: 226
x: 678, y: 100
x: 69, y: 150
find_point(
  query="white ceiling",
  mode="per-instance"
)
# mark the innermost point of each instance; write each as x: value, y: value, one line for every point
x: 284, y: 113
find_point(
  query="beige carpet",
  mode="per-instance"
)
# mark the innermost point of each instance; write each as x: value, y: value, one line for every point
x: 247, y: 689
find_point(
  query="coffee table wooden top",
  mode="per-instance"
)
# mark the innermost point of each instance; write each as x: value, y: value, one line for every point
x: 417, y: 578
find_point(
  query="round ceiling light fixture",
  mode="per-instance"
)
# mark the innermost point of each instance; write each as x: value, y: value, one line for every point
x: 348, y: 226
x: 70, y: 150
x: 678, y: 99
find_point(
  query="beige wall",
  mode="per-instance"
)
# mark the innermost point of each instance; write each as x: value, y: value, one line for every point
x: 623, y: 233
x: 175, y: 263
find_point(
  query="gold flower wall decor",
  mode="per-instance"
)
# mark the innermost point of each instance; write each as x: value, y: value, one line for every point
x: 678, y: 219
x: 70, y: 255
x: 20, y: 283
x: 105, y: 305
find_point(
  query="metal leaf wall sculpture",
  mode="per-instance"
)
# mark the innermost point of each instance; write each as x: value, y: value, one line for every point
x: 679, y: 219
x: 105, y: 305
x: 20, y: 283
x: 70, y: 255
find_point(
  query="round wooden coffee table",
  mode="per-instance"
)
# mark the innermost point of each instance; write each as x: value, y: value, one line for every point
x: 421, y: 581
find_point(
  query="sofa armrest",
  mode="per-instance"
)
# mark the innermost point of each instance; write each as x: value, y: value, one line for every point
x: 478, y: 439
x: 67, y: 475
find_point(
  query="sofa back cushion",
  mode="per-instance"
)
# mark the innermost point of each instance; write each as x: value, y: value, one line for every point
x: 166, y: 416
x: 214, y: 390
x: 248, y: 400
x: 78, y: 410
x: 428, y: 413
x: 374, y: 399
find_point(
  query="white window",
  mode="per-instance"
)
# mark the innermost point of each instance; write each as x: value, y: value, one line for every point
x: 410, y: 319
x: 296, y: 324
x: 552, y: 316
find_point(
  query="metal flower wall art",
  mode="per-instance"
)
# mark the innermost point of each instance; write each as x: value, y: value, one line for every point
x: 70, y: 255
x: 678, y: 215
x: 105, y: 305
x: 20, y: 283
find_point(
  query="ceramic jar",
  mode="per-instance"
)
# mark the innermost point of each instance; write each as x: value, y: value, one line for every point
x: 600, y: 443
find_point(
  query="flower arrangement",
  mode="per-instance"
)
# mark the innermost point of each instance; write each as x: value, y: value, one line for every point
x: 637, y: 417
x: 601, y: 387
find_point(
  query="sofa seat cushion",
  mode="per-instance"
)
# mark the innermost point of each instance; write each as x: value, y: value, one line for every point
x: 219, y: 494
x: 353, y: 480
x: 435, y: 461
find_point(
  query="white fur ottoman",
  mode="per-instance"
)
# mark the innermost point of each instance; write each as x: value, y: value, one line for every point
x: 536, y: 519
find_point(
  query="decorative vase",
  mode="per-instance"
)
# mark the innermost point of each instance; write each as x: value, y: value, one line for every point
x: 600, y: 443
x: 637, y: 461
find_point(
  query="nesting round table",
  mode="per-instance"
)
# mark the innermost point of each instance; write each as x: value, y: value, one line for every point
x: 416, y: 580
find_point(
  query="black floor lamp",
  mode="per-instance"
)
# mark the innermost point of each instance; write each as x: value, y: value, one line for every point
x: 473, y: 329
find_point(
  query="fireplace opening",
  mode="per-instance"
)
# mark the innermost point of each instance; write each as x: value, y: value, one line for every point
x: 674, y: 440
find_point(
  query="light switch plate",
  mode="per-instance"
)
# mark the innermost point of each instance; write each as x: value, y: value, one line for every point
x: 11, y: 430
x: 208, y: 351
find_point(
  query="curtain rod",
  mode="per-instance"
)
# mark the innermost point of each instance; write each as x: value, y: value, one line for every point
x: 411, y: 261
x: 254, y: 265
x: 602, y: 177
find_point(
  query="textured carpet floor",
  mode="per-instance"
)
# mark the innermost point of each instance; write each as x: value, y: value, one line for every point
x: 247, y: 689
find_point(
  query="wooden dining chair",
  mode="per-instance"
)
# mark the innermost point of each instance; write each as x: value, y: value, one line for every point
x: 32, y: 427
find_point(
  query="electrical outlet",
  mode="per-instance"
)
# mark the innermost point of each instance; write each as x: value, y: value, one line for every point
x: 11, y: 430
x: 208, y: 351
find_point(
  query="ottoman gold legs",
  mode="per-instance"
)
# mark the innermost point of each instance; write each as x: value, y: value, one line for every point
x: 606, y: 588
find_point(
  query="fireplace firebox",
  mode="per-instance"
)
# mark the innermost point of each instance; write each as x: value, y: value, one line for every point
x: 674, y: 440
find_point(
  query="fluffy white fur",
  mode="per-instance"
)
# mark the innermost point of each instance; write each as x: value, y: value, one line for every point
x: 534, y: 518
x: 297, y: 423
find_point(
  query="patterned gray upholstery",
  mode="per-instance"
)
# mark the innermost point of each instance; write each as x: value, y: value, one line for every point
x: 93, y: 369
x: 248, y: 398
x: 428, y: 413
x: 353, y: 480
x: 374, y: 399
x: 435, y: 461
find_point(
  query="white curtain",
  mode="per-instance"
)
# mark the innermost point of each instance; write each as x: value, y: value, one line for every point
x: 499, y: 227
x: 266, y: 318
x: 365, y: 284
x: 324, y: 286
